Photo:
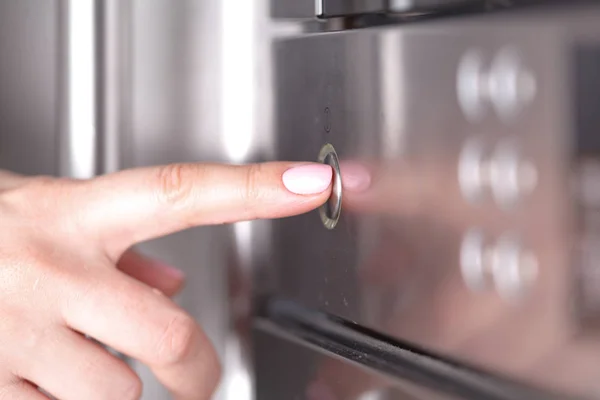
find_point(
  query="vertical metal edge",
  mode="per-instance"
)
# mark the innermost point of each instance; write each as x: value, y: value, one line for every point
x: 237, y: 359
x: 318, y: 8
x: 126, y: 73
x: 241, y: 142
x: 112, y: 80
x: 112, y: 40
x: 250, y: 240
x: 104, y: 52
x: 76, y: 87
x: 62, y: 82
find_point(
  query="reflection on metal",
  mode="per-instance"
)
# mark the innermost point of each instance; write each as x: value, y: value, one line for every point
x: 510, y: 177
x: 195, y: 96
x: 330, y: 211
x: 470, y: 85
x: 113, y: 83
x: 511, y: 85
x: 236, y: 382
x: 514, y: 269
x: 473, y: 171
x: 502, y: 264
x: 473, y: 261
x: 318, y: 7
x: 390, y: 364
x: 32, y: 44
x: 238, y: 49
x: 405, y: 277
x: 498, y: 169
x: 394, y: 99
x: 503, y: 82
x: 376, y: 394
x: 78, y: 79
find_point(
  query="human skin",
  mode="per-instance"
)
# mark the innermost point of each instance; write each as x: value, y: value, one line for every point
x: 67, y: 273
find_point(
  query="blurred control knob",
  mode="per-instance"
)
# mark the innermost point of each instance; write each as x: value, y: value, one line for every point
x: 503, y: 265
x: 510, y: 176
x: 514, y: 268
x: 504, y: 83
x: 511, y: 85
x: 501, y: 169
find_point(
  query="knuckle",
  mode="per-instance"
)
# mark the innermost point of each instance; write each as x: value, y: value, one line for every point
x: 174, y: 188
x: 39, y: 197
x: 131, y: 388
x: 10, y: 389
x: 41, y: 268
x: 177, y: 339
x: 94, y: 371
x: 252, y: 185
x: 38, y: 184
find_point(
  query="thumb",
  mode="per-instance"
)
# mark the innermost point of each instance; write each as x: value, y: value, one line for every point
x: 135, y: 205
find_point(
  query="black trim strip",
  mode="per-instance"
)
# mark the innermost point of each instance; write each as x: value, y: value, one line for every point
x: 388, y: 355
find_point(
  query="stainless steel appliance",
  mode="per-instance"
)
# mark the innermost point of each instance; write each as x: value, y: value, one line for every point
x: 475, y: 245
x: 467, y: 268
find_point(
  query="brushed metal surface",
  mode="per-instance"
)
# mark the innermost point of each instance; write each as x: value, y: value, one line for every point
x: 29, y: 86
x: 317, y: 375
x: 333, y: 8
x: 193, y: 88
x: 175, y: 102
x: 199, y: 89
x: 429, y: 5
x: 307, y: 9
x: 386, y: 98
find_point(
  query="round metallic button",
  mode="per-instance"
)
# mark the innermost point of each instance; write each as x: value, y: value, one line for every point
x: 514, y: 268
x: 511, y: 177
x: 511, y: 85
x: 330, y: 211
x: 473, y: 261
x: 470, y: 86
x: 472, y: 170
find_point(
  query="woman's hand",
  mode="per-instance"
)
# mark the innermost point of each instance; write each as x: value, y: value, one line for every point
x: 66, y: 272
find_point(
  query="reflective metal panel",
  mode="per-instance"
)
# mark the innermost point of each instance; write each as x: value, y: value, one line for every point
x: 289, y: 370
x: 175, y: 105
x: 324, y: 8
x: 196, y: 87
x: 463, y: 242
x: 306, y: 9
x: 330, y: 8
x: 29, y: 86
x: 429, y: 5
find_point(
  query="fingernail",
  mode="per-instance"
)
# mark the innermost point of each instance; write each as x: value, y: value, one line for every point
x: 355, y: 177
x: 308, y: 179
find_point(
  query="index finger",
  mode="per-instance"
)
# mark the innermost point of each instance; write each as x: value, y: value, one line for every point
x: 131, y: 206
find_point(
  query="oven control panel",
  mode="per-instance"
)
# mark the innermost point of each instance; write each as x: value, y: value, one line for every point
x: 305, y: 9
x: 477, y: 236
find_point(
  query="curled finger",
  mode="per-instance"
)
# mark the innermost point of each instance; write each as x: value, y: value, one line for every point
x: 135, y: 320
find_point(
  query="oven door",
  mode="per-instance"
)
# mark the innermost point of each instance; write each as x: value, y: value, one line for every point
x: 457, y: 260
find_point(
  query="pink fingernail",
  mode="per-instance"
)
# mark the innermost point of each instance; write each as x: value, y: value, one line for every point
x: 308, y: 179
